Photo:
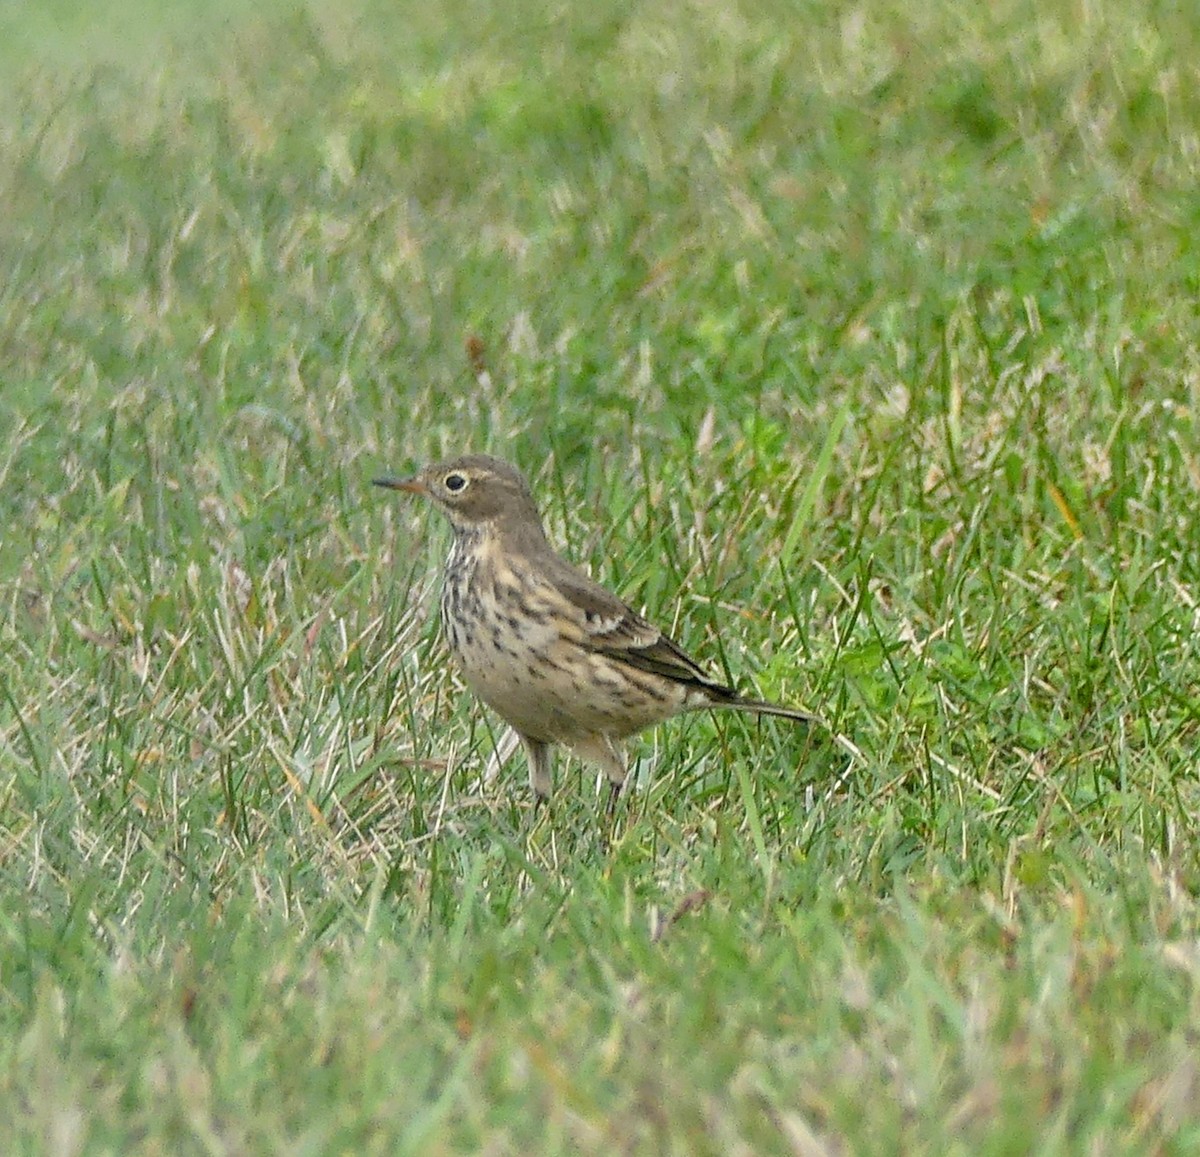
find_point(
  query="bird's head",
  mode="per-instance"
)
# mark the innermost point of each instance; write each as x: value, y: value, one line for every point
x: 474, y: 491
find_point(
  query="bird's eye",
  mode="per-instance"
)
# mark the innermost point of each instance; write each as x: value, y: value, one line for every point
x: 454, y: 483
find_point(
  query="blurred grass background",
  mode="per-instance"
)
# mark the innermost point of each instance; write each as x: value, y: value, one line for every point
x: 857, y: 344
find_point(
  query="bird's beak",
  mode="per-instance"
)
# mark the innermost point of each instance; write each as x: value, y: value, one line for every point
x: 412, y: 485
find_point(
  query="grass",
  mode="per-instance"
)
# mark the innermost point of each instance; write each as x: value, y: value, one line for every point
x: 859, y: 346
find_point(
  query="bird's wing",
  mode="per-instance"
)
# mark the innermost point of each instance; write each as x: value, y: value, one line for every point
x: 611, y: 628
x: 594, y: 618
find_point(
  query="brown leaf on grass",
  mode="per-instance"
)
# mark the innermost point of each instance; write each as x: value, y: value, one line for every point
x: 692, y: 902
x: 96, y: 638
x: 475, y: 351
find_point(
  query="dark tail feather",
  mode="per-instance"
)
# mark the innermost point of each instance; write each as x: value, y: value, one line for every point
x: 727, y: 697
x: 762, y: 707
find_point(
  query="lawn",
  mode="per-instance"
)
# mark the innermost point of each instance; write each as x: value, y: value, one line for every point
x: 858, y: 345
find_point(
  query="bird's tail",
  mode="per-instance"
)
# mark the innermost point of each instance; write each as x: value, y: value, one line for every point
x: 727, y: 697
x: 762, y: 707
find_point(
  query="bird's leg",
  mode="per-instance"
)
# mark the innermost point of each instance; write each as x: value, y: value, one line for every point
x: 602, y: 751
x: 614, y: 793
x: 541, y: 775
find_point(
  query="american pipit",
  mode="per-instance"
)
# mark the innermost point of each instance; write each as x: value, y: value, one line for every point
x: 553, y: 653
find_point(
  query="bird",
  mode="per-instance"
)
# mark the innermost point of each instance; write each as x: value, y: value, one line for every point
x: 560, y: 658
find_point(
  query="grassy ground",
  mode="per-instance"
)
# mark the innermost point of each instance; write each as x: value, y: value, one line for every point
x: 859, y: 345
